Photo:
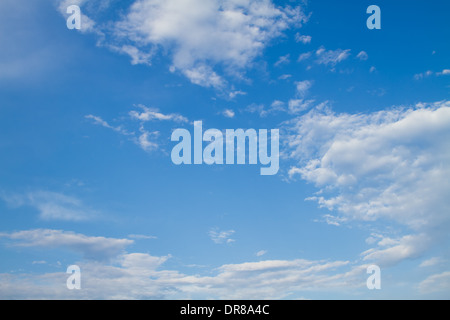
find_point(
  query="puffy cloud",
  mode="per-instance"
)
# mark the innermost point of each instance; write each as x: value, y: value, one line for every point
x: 95, y: 248
x: 201, y: 34
x: 142, y: 276
x: 302, y: 38
x: 385, y: 164
x: 388, y: 165
x: 229, y: 113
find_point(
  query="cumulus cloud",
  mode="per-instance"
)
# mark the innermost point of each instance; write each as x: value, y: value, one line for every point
x: 302, y: 38
x: 392, y: 164
x: 228, y: 113
x: 143, y: 276
x: 199, y: 34
x: 94, y: 248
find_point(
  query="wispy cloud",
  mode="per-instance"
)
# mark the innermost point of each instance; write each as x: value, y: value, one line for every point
x: 261, y: 253
x: 302, y: 87
x: 362, y: 56
x: 283, y: 60
x: 93, y: 248
x: 51, y: 205
x: 153, y: 114
x: 221, y: 237
x: 331, y: 57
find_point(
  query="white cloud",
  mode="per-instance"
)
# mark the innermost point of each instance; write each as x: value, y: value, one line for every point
x: 392, y: 251
x: 331, y: 57
x: 151, y: 114
x: 95, y: 248
x: 51, y: 205
x: 87, y: 24
x: 431, y: 262
x: 285, y: 76
x: 221, y: 237
x: 99, y: 121
x: 304, y: 56
x: 430, y: 73
x: 372, y: 69
x: 390, y: 165
x: 137, y: 56
x: 234, y: 94
x: 436, y: 283
x: 443, y: 72
x: 200, y: 34
x: 302, y: 38
x: 141, y: 237
x: 302, y: 87
x: 362, y: 56
x: 229, y: 113
x: 283, y: 60
x: 298, y: 105
x: 141, y: 276
x: 276, y: 106
x: 145, y: 140
x: 261, y: 253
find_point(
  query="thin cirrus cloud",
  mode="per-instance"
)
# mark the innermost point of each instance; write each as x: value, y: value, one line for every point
x: 221, y: 237
x: 391, y: 164
x: 146, y: 140
x: 52, y: 205
x: 363, y: 56
x: 92, y: 248
x: 331, y: 57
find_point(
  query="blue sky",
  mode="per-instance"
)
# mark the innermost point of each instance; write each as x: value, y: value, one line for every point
x: 86, y: 176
